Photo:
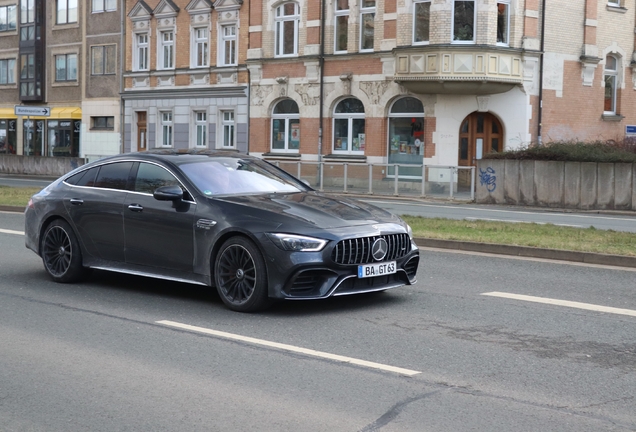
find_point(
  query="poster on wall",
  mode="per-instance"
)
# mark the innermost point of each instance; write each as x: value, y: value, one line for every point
x: 295, y: 134
x: 361, y: 141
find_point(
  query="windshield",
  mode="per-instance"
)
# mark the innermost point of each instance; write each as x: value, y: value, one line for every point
x: 223, y: 176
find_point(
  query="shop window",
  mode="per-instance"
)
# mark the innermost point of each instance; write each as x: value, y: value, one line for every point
x: 406, y: 136
x: 63, y: 138
x: 8, y: 136
x: 286, y: 127
x: 421, y: 21
x: 341, y: 32
x: 8, y: 18
x: 287, y: 21
x: 464, y: 18
x: 348, y: 127
x: 33, y: 137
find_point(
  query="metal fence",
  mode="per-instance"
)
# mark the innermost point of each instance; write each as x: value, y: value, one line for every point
x: 402, y: 180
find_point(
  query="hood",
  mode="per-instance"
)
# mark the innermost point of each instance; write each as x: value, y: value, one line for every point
x: 316, y: 209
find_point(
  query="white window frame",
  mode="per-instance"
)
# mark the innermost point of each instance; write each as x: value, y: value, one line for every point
x: 227, y: 119
x: 464, y: 42
x: 415, y: 3
x: 100, y: 6
x: 167, y: 128
x: 614, y: 75
x: 350, y: 117
x: 141, y: 52
x: 165, y: 49
x: 286, y: 118
x: 614, y: 3
x: 370, y: 10
x: 200, y: 118
x: 228, y: 41
x: 507, y: 35
x: 338, y: 14
x: 279, y: 23
x: 199, y: 42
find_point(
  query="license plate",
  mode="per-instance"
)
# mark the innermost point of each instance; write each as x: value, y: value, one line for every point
x: 379, y: 269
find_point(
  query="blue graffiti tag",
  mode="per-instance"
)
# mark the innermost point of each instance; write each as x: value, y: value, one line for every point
x: 487, y: 178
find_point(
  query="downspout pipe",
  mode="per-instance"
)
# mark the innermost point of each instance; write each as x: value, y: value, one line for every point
x: 540, y: 114
x: 321, y: 65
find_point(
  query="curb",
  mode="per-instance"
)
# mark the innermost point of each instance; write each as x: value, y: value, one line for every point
x: 15, y: 209
x: 530, y: 252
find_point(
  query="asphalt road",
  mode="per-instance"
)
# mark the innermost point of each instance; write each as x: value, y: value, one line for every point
x: 112, y: 353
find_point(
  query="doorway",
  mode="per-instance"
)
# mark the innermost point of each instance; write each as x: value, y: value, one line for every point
x: 141, y: 131
x: 479, y: 134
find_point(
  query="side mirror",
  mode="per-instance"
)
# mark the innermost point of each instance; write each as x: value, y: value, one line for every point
x: 168, y: 193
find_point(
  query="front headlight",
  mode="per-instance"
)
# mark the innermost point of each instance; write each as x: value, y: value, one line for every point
x: 410, y: 231
x: 297, y: 243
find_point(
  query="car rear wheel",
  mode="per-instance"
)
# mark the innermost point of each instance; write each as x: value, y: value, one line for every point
x: 240, y: 276
x: 61, y: 253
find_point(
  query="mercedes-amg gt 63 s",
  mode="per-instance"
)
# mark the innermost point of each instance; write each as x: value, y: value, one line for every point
x: 218, y: 219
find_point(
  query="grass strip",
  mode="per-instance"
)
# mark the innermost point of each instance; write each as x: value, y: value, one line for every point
x: 526, y: 234
x: 16, y: 196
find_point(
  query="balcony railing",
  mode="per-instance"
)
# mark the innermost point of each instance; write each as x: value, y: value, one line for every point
x: 400, y: 180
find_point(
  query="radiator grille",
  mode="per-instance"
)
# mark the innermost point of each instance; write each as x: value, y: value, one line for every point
x: 358, y: 250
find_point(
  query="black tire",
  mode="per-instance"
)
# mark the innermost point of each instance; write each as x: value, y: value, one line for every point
x: 61, y: 253
x: 240, y: 276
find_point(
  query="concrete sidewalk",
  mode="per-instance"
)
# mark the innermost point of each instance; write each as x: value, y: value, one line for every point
x: 521, y: 251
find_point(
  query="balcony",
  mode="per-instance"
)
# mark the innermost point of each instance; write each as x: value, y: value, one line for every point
x: 452, y: 69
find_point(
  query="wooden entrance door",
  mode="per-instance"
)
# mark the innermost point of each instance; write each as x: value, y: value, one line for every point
x: 142, y: 131
x: 479, y: 134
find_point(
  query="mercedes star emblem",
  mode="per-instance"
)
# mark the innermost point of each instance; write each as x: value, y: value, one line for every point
x: 379, y: 249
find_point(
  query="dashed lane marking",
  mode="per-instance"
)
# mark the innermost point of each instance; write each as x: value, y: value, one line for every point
x: 290, y: 348
x: 6, y: 231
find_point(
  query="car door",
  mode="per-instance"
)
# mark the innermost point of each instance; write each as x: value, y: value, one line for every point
x: 95, y: 205
x: 158, y: 233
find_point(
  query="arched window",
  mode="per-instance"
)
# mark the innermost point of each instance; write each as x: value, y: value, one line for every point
x: 286, y: 127
x: 406, y: 135
x: 287, y: 18
x: 611, y: 83
x: 348, y: 127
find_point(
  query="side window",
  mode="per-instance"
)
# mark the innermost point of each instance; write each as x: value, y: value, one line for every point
x: 113, y: 176
x: 151, y: 177
x: 84, y: 178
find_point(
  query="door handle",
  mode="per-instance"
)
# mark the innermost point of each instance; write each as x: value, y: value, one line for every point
x: 76, y: 201
x: 135, y: 207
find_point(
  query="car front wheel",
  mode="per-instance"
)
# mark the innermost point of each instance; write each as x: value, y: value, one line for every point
x: 61, y: 253
x: 240, y: 276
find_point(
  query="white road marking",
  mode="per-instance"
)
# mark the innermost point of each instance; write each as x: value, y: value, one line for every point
x: 565, y: 303
x: 290, y: 348
x: 6, y: 231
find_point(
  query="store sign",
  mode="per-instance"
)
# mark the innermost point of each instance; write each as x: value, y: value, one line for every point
x: 21, y: 110
x: 630, y: 130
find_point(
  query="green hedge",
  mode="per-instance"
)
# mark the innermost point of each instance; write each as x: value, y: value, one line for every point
x: 610, y: 151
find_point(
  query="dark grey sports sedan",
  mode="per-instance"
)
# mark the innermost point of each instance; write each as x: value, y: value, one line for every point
x: 218, y: 219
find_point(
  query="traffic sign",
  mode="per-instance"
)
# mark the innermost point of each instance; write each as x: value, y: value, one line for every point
x: 21, y: 110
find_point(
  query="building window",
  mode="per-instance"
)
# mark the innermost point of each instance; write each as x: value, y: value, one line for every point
x: 166, y: 129
x: 227, y: 46
x: 341, y: 32
x: 66, y: 11
x: 286, y: 127
x: 63, y: 137
x: 200, y: 47
x: 614, y: 3
x: 104, y: 5
x: 7, y: 71
x: 464, y: 17
x: 27, y: 20
x: 66, y: 67
x: 166, y: 48
x: 348, y: 127
x: 33, y: 137
x: 421, y: 21
x: 103, y: 60
x: 406, y: 136
x: 611, y: 84
x: 8, y: 18
x: 27, y: 75
x: 141, y: 51
x: 201, y: 124
x: 229, y: 127
x: 367, y: 25
x: 287, y: 19
x: 503, y: 22
x: 8, y: 136
x: 104, y: 123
